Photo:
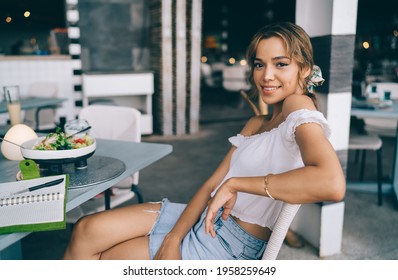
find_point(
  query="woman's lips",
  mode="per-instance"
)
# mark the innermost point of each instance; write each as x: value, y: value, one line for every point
x: 270, y: 89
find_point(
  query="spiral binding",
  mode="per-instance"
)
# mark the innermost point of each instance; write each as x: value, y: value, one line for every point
x: 16, y: 200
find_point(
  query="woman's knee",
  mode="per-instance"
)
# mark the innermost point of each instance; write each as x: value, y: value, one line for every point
x: 80, y: 245
x: 84, y: 227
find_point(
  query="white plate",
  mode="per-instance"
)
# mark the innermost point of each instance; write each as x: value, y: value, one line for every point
x: 29, y: 153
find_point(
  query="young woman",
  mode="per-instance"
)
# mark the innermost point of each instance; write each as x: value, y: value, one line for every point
x: 285, y: 157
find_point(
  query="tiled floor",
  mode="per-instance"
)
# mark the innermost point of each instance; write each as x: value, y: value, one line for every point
x: 370, y: 231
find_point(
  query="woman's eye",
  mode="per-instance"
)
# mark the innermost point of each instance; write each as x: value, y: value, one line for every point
x: 257, y: 65
x: 282, y: 64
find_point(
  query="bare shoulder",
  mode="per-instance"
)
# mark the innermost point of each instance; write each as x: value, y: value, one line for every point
x: 296, y: 102
x: 253, y: 125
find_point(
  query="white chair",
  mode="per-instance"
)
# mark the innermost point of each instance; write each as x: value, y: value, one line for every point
x: 43, y: 118
x: 118, y: 123
x: 207, y: 75
x: 381, y: 127
x: 369, y: 142
x: 113, y: 122
x: 234, y: 78
x: 281, y: 227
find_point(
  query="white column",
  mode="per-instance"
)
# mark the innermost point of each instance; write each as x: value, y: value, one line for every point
x: 167, y: 68
x: 181, y: 67
x: 331, y: 24
x: 196, y: 37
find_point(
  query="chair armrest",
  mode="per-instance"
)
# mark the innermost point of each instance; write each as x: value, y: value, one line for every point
x: 282, y: 225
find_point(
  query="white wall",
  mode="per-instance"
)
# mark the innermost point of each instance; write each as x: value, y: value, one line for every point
x: 23, y: 71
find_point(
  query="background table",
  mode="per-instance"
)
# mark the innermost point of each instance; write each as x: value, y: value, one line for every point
x: 136, y: 156
x: 27, y: 104
x: 33, y: 103
x: 383, y: 113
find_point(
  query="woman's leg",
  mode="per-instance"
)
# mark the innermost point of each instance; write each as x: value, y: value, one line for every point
x: 293, y: 240
x: 98, y: 233
x: 133, y: 249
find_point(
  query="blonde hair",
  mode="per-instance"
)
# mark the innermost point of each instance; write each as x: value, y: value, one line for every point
x: 298, y: 46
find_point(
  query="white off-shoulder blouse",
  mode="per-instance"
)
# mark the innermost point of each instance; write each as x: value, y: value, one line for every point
x: 273, y: 151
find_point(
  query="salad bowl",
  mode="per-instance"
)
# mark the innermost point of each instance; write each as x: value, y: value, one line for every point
x: 56, y: 156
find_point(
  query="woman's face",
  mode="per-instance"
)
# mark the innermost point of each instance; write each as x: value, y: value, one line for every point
x: 274, y: 73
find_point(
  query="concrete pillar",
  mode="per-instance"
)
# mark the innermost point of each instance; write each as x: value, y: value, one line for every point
x: 196, y: 51
x: 175, y: 60
x: 176, y: 36
x: 331, y: 25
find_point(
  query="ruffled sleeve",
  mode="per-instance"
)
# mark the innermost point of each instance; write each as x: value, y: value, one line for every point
x: 236, y: 140
x: 303, y: 116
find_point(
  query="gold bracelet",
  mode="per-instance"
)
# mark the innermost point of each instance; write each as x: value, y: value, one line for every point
x: 266, y: 187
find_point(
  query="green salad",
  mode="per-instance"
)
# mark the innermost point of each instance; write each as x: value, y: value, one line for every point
x: 60, y: 141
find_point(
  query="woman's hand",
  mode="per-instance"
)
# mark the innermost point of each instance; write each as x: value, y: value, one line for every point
x: 169, y: 250
x: 224, y: 197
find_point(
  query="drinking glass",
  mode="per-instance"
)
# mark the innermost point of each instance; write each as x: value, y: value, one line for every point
x: 74, y: 126
x: 12, y: 97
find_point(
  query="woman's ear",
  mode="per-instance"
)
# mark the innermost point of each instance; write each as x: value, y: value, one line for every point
x: 306, y: 72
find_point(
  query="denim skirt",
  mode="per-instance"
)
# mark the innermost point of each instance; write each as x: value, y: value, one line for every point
x: 232, y: 242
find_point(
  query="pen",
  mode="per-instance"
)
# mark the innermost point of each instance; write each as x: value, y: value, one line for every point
x: 45, y: 185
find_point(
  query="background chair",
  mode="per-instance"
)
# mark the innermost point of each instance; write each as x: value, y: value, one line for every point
x: 374, y: 129
x: 42, y: 119
x: 381, y: 127
x: 234, y: 78
x: 208, y: 77
x: 368, y: 142
x: 117, y: 123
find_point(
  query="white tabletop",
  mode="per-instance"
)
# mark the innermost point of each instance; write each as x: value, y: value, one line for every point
x: 389, y: 112
x: 136, y: 156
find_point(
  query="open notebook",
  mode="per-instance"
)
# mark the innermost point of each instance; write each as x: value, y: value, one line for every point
x: 40, y: 208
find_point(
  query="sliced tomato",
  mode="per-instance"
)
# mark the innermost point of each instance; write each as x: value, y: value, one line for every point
x: 79, y: 141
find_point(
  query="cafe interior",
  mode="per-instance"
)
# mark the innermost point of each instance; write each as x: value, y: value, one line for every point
x: 64, y: 61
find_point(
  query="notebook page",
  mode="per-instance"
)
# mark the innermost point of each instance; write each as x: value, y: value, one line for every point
x: 32, y: 213
x: 40, y: 206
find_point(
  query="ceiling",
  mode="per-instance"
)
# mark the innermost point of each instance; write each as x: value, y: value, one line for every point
x: 42, y: 13
x: 372, y: 18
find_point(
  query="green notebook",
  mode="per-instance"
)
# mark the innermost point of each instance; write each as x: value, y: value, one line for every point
x: 35, y: 210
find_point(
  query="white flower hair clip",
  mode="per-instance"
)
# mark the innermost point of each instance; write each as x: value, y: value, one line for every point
x: 315, y: 79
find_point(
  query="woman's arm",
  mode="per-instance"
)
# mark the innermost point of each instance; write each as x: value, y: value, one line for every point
x: 321, y: 178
